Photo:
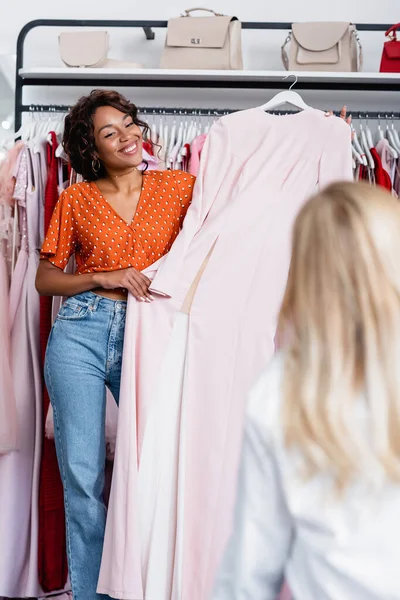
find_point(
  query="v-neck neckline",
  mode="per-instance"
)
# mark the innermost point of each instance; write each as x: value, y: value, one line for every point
x: 110, y: 206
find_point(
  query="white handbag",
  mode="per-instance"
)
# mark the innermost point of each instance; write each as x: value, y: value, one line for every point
x: 203, y: 42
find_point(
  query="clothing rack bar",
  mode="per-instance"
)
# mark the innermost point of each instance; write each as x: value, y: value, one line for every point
x: 149, y: 111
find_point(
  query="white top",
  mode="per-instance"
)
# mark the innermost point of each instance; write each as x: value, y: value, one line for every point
x: 327, y: 549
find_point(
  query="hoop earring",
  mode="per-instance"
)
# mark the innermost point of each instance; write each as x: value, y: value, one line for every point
x: 96, y: 165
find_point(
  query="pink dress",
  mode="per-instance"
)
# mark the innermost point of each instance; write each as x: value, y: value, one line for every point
x: 191, y: 357
x: 18, y: 573
x: 195, y: 153
x: 8, y: 412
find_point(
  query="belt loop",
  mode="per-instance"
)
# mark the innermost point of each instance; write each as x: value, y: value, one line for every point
x: 96, y: 301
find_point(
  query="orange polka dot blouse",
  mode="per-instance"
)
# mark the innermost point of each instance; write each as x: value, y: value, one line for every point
x: 84, y: 223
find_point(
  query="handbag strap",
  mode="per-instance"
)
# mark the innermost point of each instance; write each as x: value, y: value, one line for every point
x: 190, y: 10
x: 285, y: 57
x: 284, y: 54
x: 360, y: 50
x: 392, y: 32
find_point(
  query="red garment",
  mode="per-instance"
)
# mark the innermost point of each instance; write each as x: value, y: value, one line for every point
x: 148, y: 146
x: 186, y: 158
x: 382, y: 177
x: 53, y: 568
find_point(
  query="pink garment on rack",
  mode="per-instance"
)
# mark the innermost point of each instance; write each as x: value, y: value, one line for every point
x: 8, y: 409
x: 8, y: 412
x: 19, y: 471
x: 387, y: 158
x: 247, y: 195
x: 19, y: 197
x: 151, y: 160
x: 195, y: 153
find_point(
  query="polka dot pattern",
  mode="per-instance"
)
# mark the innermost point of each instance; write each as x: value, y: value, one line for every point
x: 84, y: 223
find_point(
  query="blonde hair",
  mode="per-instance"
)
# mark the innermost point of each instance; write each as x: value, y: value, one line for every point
x: 341, y: 317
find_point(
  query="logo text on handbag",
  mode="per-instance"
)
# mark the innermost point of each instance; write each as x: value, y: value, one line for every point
x: 195, y: 41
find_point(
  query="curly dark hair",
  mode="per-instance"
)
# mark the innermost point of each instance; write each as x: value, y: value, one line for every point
x: 78, y: 140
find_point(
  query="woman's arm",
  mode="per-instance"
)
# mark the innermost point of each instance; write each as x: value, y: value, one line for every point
x: 52, y: 281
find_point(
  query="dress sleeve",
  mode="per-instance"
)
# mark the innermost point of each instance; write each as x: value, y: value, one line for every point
x: 59, y: 243
x: 185, y: 183
x: 207, y: 188
x: 255, y: 558
x: 336, y: 160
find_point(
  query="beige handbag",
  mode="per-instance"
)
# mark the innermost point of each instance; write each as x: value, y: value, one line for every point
x: 84, y: 48
x: 323, y: 47
x: 203, y: 42
x: 90, y: 49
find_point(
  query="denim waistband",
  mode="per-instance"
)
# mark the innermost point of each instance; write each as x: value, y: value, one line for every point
x: 95, y: 301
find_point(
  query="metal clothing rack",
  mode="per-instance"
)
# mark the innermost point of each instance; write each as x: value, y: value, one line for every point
x: 52, y: 79
x: 149, y: 111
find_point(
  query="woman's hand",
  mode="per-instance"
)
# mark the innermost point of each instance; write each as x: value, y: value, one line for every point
x: 130, y: 279
x: 343, y: 115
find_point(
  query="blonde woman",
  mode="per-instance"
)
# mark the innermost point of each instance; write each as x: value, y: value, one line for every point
x: 319, y: 485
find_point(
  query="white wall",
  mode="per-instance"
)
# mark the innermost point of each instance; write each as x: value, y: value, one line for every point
x: 261, y: 49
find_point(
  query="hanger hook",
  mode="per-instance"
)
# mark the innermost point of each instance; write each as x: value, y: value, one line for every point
x: 295, y: 79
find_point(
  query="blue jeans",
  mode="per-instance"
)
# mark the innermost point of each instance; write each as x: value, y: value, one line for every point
x: 84, y: 355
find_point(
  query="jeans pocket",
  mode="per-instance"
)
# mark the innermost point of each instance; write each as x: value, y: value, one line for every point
x: 73, y: 311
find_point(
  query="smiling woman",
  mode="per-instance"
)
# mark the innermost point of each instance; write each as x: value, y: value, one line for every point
x: 91, y: 137
x: 117, y: 222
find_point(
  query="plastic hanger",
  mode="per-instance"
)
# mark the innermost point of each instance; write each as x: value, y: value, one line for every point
x: 9, y: 141
x: 390, y: 138
x: 286, y: 97
x: 153, y: 132
x: 380, y: 130
x: 183, y: 151
x: 392, y: 142
x: 357, y: 157
x: 358, y: 147
x: 368, y: 132
x: 394, y: 138
x: 366, y: 147
x: 174, y: 154
x: 395, y: 133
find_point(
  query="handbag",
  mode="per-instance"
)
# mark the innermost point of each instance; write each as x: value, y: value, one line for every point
x: 90, y: 49
x: 84, y: 48
x: 323, y: 47
x: 212, y: 42
x: 390, y: 62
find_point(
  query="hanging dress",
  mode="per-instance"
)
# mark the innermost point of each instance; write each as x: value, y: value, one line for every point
x: 236, y: 240
x: 16, y: 469
x: 53, y: 569
x: 8, y: 411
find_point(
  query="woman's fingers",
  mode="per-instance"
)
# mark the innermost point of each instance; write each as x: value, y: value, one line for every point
x: 343, y: 114
x: 141, y: 283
